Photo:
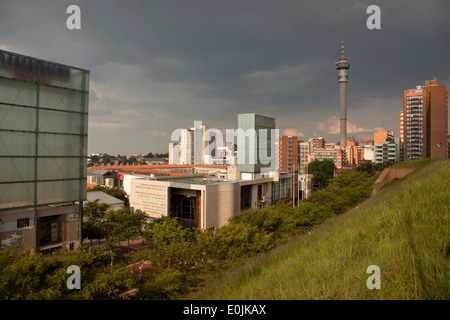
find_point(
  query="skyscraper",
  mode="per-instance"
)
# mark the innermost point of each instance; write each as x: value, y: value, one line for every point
x: 342, y: 66
x: 425, y: 121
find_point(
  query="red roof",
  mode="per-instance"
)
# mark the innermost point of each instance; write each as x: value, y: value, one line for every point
x: 91, y: 185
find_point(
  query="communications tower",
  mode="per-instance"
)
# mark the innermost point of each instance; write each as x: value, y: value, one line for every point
x: 342, y: 66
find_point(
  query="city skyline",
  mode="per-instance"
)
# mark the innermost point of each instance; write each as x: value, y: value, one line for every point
x: 159, y: 66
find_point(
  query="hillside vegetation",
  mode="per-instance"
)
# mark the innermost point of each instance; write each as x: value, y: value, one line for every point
x: 404, y: 229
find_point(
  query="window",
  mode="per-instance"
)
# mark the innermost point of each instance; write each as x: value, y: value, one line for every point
x: 22, y: 223
x: 50, y: 230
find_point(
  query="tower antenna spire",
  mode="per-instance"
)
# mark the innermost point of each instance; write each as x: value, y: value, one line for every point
x: 342, y: 66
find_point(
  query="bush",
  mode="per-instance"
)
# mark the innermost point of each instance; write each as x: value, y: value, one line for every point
x: 166, y: 231
x: 238, y: 240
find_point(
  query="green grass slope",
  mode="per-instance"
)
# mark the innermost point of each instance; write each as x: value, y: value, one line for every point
x: 404, y: 229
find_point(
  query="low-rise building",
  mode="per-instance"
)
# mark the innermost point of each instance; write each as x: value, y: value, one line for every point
x: 388, y: 152
x: 205, y: 202
x: 102, y: 197
x: 336, y: 155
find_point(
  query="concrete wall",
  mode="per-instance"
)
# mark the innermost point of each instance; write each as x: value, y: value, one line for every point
x: 388, y: 175
x: 24, y: 237
x: 222, y: 203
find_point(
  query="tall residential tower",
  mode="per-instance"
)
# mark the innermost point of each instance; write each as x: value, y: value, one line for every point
x: 425, y: 121
x: 342, y: 66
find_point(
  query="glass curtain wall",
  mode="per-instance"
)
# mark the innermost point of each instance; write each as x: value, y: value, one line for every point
x: 43, y: 132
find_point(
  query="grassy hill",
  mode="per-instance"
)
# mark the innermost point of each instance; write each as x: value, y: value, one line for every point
x: 404, y: 229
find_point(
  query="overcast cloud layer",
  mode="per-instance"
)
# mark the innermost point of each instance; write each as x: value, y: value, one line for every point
x: 160, y: 65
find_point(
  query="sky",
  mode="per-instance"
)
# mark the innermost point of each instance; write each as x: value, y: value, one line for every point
x: 156, y: 66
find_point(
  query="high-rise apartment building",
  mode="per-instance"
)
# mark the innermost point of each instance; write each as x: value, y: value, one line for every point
x: 174, y: 153
x: 425, y: 121
x: 288, y: 153
x: 43, y: 153
x: 354, y: 154
x: 191, y: 146
x: 303, y: 154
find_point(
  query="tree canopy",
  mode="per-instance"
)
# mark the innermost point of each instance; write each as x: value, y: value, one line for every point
x: 323, y: 172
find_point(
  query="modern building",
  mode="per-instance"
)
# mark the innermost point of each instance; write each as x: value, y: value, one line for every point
x: 206, y: 203
x: 256, y: 143
x: 342, y: 66
x: 43, y: 139
x: 425, y: 121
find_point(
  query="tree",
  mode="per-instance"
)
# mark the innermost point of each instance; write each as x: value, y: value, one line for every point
x: 166, y: 231
x: 93, y: 226
x: 366, y: 166
x: 323, y: 172
x: 124, y: 225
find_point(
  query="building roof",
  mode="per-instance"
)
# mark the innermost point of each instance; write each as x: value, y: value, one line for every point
x: 103, y: 198
x: 160, y: 166
x: 101, y: 171
x: 90, y: 185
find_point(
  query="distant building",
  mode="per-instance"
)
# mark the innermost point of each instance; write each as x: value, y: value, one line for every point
x: 303, y: 154
x: 388, y: 151
x: 369, y: 153
x: 250, y: 146
x: 316, y: 143
x: 288, y: 153
x: 306, y: 185
x: 425, y: 121
x: 103, y: 177
x: 336, y: 155
x: 354, y: 153
x: 43, y: 134
x: 174, y: 153
x: 102, y: 197
x: 381, y: 135
x: 191, y: 147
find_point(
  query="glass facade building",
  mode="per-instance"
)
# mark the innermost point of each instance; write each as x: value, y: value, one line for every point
x: 256, y: 143
x: 43, y: 152
x: 43, y: 132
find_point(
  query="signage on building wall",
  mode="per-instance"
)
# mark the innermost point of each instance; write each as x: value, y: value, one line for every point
x: 149, y: 197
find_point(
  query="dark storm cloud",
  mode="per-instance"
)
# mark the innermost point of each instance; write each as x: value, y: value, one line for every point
x: 159, y: 65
